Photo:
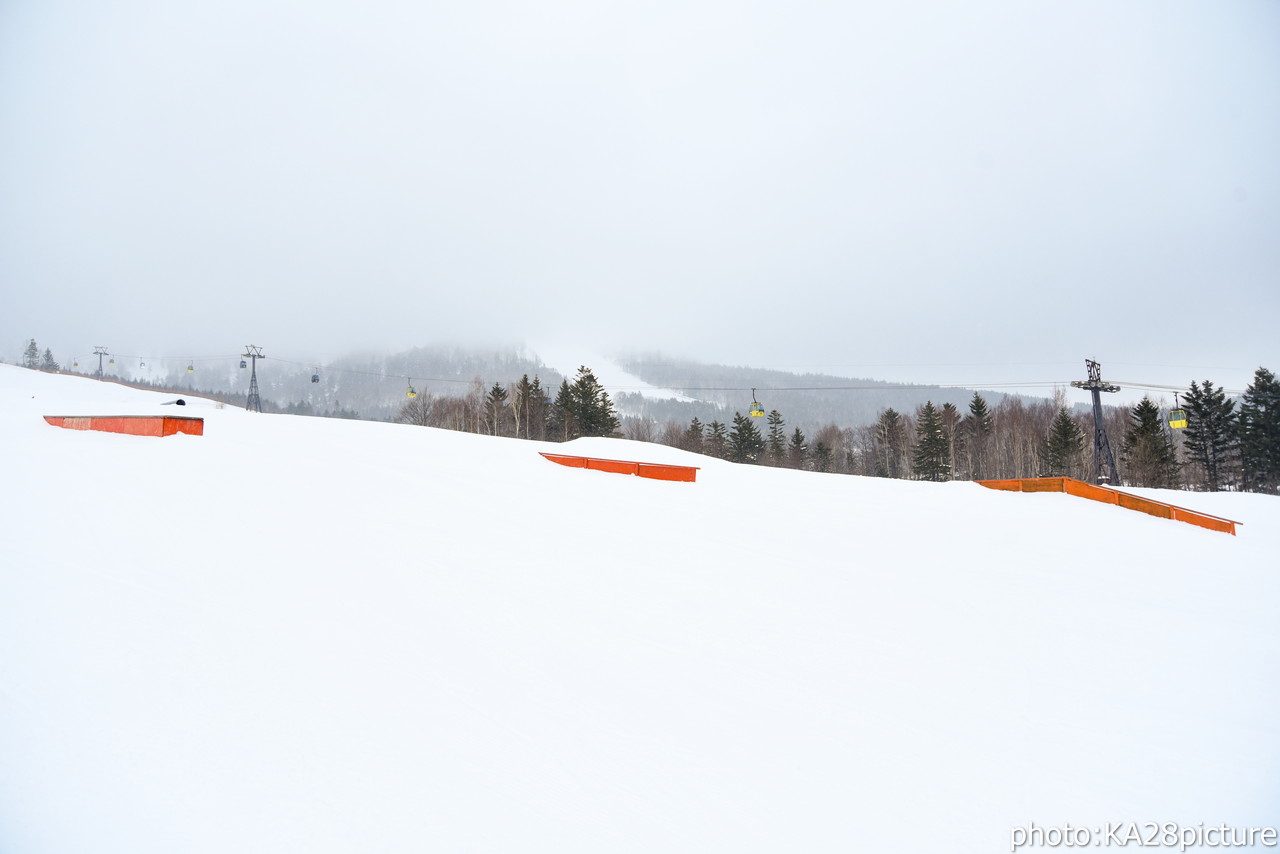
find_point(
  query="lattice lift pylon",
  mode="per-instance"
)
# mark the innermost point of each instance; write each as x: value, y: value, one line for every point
x: 1102, y: 456
x: 253, y: 353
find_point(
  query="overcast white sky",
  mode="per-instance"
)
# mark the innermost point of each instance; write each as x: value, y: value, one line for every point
x: 927, y: 191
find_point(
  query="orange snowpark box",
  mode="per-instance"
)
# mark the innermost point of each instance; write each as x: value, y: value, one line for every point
x: 136, y: 425
x: 657, y: 471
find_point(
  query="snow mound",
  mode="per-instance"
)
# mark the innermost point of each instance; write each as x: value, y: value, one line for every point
x: 302, y: 634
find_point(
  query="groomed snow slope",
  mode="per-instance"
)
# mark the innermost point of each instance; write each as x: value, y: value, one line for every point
x: 299, y: 634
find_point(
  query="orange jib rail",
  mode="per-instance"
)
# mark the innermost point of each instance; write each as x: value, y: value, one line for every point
x: 657, y: 471
x: 1107, y: 495
x: 134, y: 425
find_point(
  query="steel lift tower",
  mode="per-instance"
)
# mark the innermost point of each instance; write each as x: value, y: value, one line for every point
x: 1102, y: 456
x: 254, y: 353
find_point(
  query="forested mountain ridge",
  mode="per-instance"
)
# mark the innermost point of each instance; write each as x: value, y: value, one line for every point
x: 372, y: 386
x: 809, y: 400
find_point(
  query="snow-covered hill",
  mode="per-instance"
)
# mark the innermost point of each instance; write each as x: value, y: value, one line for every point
x: 297, y: 634
x: 607, y: 370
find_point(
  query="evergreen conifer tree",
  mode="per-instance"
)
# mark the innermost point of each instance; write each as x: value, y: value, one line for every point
x: 48, y: 363
x: 31, y: 356
x: 890, y: 444
x: 776, y: 441
x: 536, y: 410
x: 1260, y: 433
x: 821, y: 458
x: 745, y: 442
x: 692, y: 439
x: 1061, y: 451
x: 495, y: 410
x: 951, y: 429
x: 561, y: 424
x: 589, y: 403
x: 523, y: 408
x: 716, y: 441
x: 1210, y: 439
x: 931, y: 459
x: 975, y: 431
x: 797, y: 450
x: 1147, y: 450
